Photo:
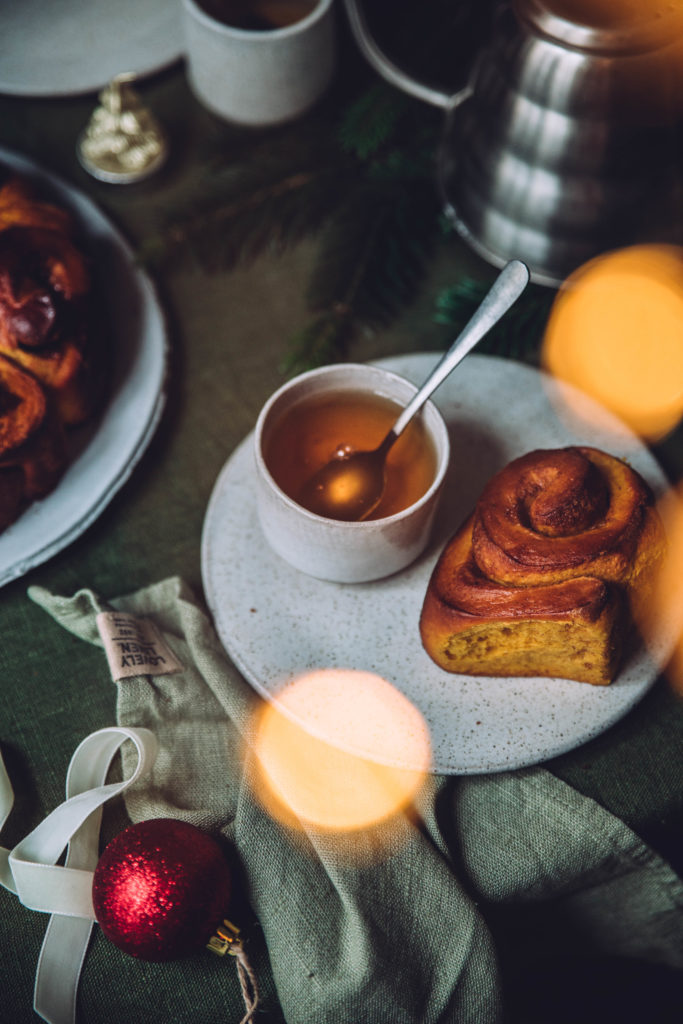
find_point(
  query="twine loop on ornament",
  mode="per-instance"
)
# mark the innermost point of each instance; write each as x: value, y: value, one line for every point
x: 248, y: 984
x: 227, y: 940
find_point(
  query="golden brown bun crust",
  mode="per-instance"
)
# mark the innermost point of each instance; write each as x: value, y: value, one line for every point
x: 19, y: 205
x: 32, y: 453
x: 560, y: 512
x: 559, y: 542
x: 46, y: 300
x: 51, y: 366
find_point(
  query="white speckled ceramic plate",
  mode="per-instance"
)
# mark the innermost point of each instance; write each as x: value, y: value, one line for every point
x: 67, y: 47
x: 277, y: 623
x: 105, y: 452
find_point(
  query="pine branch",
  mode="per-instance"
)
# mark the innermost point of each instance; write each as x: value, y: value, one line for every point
x: 240, y: 211
x: 374, y: 252
x: 518, y: 335
x: 371, y: 121
x: 365, y: 187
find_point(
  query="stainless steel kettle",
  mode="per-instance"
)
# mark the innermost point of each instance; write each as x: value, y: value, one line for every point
x: 566, y: 141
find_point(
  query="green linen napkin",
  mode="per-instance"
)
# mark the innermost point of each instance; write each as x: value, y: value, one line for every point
x: 485, y: 873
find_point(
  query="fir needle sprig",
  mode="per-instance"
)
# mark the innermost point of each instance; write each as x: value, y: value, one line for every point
x: 518, y: 335
x: 363, y: 188
x: 358, y: 177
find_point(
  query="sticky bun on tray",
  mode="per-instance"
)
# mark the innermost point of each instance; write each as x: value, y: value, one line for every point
x: 547, y: 575
x: 32, y: 451
x: 45, y: 300
x: 51, y: 375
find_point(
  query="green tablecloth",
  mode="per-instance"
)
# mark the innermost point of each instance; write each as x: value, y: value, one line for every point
x: 228, y: 334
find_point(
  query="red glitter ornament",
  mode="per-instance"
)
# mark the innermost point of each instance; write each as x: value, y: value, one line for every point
x: 160, y: 889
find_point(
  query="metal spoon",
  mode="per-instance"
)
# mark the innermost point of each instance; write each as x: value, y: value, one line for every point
x: 351, y: 484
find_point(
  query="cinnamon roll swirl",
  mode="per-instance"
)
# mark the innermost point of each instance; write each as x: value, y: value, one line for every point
x: 45, y: 300
x: 548, y: 572
x: 20, y: 206
x: 51, y: 354
x: 32, y: 450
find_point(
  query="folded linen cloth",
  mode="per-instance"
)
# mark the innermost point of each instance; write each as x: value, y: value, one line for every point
x: 426, y: 932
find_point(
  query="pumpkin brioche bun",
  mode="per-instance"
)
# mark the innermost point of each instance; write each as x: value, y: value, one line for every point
x: 547, y: 575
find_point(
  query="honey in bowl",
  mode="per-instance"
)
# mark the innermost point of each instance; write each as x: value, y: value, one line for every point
x: 307, y: 435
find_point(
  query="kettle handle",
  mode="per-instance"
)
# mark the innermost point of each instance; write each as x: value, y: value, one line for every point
x: 391, y: 72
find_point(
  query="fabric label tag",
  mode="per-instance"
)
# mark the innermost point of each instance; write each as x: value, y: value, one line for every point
x: 135, y: 647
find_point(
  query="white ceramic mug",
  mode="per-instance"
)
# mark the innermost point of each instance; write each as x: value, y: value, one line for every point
x: 255, y: 77
x: 346, y: 552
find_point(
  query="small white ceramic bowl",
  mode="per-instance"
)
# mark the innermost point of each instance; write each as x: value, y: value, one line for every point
x: 329, y: 549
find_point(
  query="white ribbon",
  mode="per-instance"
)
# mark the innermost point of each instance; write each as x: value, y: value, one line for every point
x: 31, y: 871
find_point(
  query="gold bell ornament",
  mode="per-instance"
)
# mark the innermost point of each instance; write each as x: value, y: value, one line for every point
x: 123, y: 142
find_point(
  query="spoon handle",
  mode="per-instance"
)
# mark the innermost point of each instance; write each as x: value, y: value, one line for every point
x: 506, y: 289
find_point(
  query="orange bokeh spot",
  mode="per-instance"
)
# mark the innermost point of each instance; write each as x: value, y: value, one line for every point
x: 341, y: 750
x: 663, y: 624
x: 615, y: 14
x: 615, y: 332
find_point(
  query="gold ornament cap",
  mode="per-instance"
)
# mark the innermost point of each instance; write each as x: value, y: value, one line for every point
x: 123, y: 142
